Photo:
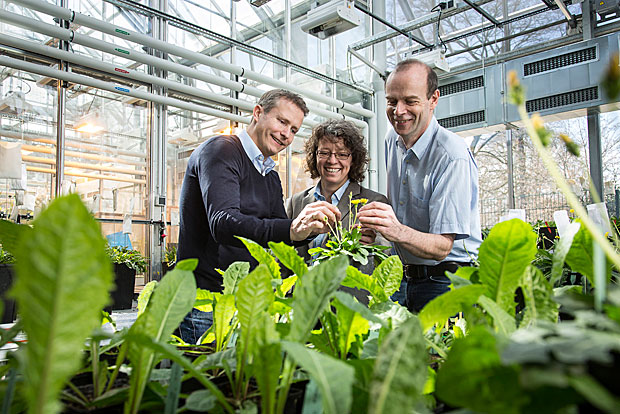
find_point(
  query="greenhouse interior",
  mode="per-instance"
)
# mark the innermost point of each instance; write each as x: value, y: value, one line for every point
x: 309, y: 206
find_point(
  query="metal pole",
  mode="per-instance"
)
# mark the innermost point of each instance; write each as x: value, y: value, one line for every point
x: 60, y: 113
x: 378, y: 172
x: 509, y: 165
x: 594, y: 149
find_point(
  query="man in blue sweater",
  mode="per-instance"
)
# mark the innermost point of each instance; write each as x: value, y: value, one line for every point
x: 230, y: 189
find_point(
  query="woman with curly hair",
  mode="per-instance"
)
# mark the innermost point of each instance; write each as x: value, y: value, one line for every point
x: 336, y: 154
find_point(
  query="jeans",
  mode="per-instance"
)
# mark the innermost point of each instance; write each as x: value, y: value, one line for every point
x: 400, y: 296
x: 422, y: 291
x: 194, y: 325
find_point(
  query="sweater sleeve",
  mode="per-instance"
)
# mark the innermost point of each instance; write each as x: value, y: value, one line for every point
x: 220, y: 168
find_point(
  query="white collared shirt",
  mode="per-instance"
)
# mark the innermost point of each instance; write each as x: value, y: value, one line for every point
x: 262, y: 165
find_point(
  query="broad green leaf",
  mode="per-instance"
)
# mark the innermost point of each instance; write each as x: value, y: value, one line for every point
x: 267, y: 362
x: 223, y: 312
x: 580, y: 257
x: 280, y: 306
x: 201, y: 401
x: 262, y: 256
x: 187, y: 264
x: 595, y: 393
x: 503, y: 256
x: 538, y: 294
x: 350, y: 325
x: 233, y: 275
x: 145, y: 296
x: 438, y: 310
x: 254, y: 297
x: 62, y: 283
x: 10, y: 233
x: 457, y: 281
x: 287, y: 284
x: 333, y: 377
x: 389, y: 274
x: 356, y: 279
x: 560, y: 251
x: 502, y: 321
x: 350, y: 302
x: 171, y: 300
x: 400, y: 370
x: 473, y: 376
x: 204, y: 300
x: 391, y: 313
x: 288, y: 257
x: 312, y: 297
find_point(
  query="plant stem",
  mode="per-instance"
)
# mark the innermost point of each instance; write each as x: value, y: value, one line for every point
x: 80, y: 396
x: 285, y: 385
x: 436, y: 347
x: 555, y: 173
x: 94, y: 356
x: 119, y: 361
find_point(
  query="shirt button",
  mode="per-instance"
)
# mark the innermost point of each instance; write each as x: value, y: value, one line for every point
x: 404, y: 181
x: 402, y: 203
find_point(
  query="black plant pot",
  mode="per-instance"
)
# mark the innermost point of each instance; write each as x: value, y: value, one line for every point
x: 546, y: 237
x: 124, y: 280
x: 6, y: 281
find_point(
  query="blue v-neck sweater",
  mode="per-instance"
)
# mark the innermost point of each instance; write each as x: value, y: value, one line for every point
x: 223, y: 196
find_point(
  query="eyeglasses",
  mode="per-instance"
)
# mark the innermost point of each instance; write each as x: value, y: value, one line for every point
x: 339, y: 155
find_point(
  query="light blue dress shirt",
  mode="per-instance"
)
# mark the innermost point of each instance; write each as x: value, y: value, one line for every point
x: 433, y: 188
x: 264, y: 166
x: 336, y: 197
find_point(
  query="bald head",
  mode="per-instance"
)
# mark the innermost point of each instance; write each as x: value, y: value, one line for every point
x: 431, y: 77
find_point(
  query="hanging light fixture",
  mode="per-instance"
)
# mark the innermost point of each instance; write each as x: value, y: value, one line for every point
x: 91, y: 123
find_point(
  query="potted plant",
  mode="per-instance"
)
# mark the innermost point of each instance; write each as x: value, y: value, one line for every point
x: 170, y: 258
x: 127, y: 263
x: 6, y: 281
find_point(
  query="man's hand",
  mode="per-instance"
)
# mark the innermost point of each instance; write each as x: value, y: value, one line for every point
x: 368, y: 235
x: 380, y: 217
x: 314, y: 219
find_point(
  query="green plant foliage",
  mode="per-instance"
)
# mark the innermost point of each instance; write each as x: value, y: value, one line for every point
x: 170, y: 255
x: 233, y: 275
x: 62, y: 283
x: 288, y: 257
x: 172, y: 299
x: 538, y: 294
x: 145, y: 296
x: 400, y: 370
x: 204, y: 300
x: 10, y: 234
x: 391, y: 313
x: 312, y: 297
x: 254, y: 297
x: 356, y: 279
x: 223, y: 313
x: 502, y: 321
x: 262, y: 256
x: 389, y: 275
x: 438, y: 310
x: 267, y: 362
x: 351, y: 327
x: 350, y: 302
x: 504, y: 256
x: 6, y: 257
x: 131, y: 258
x: 333, y: 377
x: 560, y: 251
x: 201, y: 401
x: 474, y: 377
x: 580, y: 257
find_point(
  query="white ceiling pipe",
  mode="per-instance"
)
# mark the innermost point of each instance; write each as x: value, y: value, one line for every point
x: 120, y: 89
x: 69, y: 35
x: 145, y: 40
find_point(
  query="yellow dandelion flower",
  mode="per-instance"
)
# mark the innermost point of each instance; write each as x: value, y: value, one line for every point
x: 537, y: 121
x: 572, y: 210
x: 606, y: 234
x: 513, y: 79
x: 361, y: 201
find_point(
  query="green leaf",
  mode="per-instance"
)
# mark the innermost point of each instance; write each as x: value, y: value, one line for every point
x: 350, y: 302
x: 504, y: 256
x: 262, y: 256
x: 204, y: 300
x: 288, y: 257
x: 595, y: 393
x: 233, y: 275
x: 350, y: 325
x: 538, y: 295
x: 201, y: 401
x: 457, y: 281
x: 187, y: 264
x: 560, y: 251
x: 438, y: 310
x: 267, y: 362
x: 473, y: 376
x: 503, y: 322
x: 62, y: 283
x: 145, y: 296
x: 287, y: 284
x: 171, y: 300
x: 334, y: 377
x: 580, y: 257
x: 223, y: 312
x: 389, y: 274
x: 312, y: 297
x: 391, y: 313
x: 400, y: 370
x: 356, y: 279
x: 10, y: 233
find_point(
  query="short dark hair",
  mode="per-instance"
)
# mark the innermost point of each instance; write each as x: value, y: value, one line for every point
x: 432, y: 83
x: 271, y: 98
x: 334, y: 130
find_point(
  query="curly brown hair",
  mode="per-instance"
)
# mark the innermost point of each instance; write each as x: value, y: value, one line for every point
x: 335, y: 130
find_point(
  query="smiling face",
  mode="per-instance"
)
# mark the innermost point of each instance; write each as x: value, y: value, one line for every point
x: 408, y: 107
x: 332, y: 170
x: 274, y: 130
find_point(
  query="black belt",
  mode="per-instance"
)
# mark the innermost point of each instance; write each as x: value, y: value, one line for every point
x: 421, y: 272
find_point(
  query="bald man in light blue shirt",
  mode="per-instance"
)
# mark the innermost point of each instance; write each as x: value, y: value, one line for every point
x: 433, y: 219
